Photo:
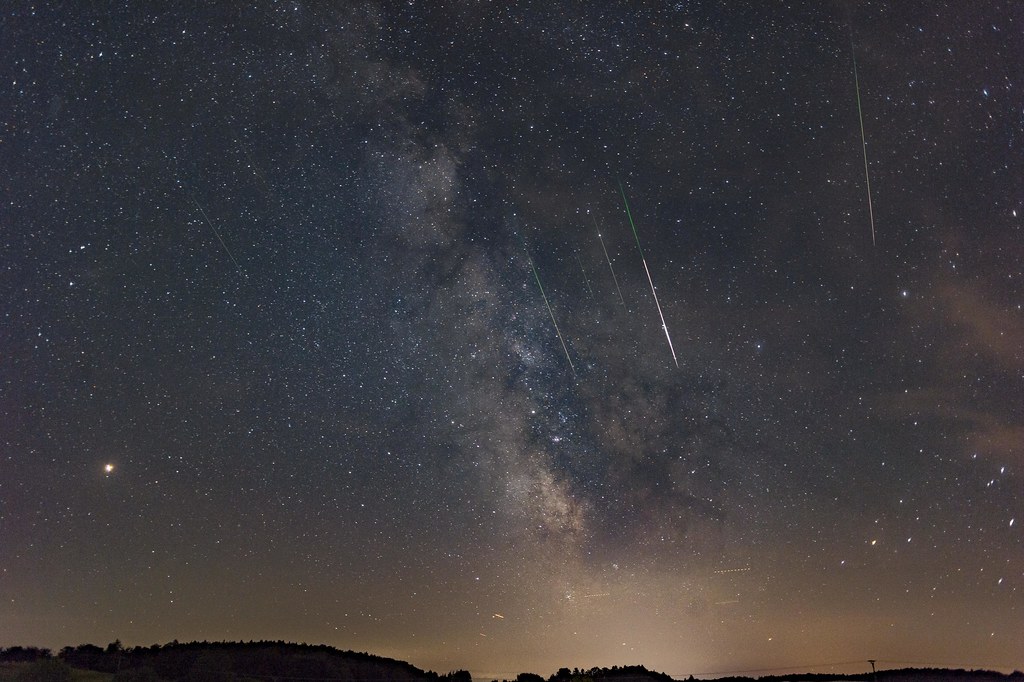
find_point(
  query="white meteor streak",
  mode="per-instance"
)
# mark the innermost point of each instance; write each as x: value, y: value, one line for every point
x: 219, y: 238
x: 607, y: 258
x: 664, y: 326
x: 584, y: 271
x: 863, y: 139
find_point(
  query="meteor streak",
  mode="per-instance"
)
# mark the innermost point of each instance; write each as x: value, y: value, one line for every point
x: 584, y: 271
x: 219, y: 238
x: 170, y: 162
x: 551, y: 313
x: 644, y: 260
x: 614, y: 278
x: 863, y: 139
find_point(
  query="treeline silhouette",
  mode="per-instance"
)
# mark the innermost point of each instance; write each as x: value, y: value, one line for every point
x: 222, y: 662
x: 288, y: 662
x: 22, y: 654
x: 638, y: 673
x: 894, y: 675
x: 626, y: 673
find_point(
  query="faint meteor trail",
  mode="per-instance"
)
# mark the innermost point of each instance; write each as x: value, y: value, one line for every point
x: 172, y: 167
x: 863, y: 139
x: 584, y: 271
x: 644, y: 261
x: 614, y: 278
x: 551, y: 313
x: 219, y: 238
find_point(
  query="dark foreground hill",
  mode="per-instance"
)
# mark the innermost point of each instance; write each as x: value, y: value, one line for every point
x: 229, y: 662
x: 285, y: 662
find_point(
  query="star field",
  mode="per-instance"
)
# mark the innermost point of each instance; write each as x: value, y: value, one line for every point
x: 277, y: 363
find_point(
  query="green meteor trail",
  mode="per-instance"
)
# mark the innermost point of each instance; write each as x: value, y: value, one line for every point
x: 630, y: 216
x: 647, y: 270
x: 551, y: 313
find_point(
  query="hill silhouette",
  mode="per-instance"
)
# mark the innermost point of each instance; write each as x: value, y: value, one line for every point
x: 280, y: 661
x: 232, y: 662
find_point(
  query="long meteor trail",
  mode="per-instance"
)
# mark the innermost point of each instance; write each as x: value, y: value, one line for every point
x: 863, y: 139
x: 551, y: 313
x: 219, y: 238
x: 614, y: 278
x: 647, y: 270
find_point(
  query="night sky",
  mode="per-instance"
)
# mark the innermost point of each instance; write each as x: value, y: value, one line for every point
x: 279, y: 358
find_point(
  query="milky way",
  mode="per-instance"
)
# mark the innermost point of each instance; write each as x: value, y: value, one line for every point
x: 278, y: 365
